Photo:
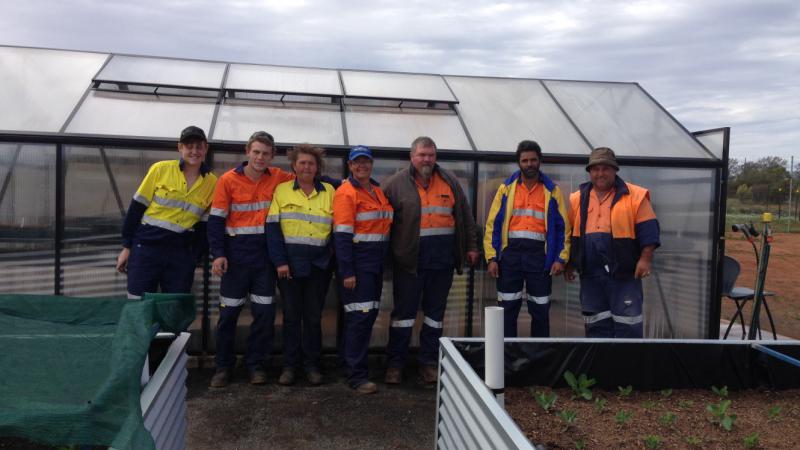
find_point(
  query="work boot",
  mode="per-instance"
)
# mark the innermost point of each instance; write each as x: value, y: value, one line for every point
x: 367, y: 387
x: 429, y: 374
x: 394, y: 375
x: 221, y: 377
x: 314, y: 377
x: 287, y: 377
x: 258, y: 376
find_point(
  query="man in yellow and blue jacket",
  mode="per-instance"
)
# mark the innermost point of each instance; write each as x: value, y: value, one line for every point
x: 527, y: 241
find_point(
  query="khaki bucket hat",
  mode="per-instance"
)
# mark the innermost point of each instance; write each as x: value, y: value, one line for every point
x: 602, y: 155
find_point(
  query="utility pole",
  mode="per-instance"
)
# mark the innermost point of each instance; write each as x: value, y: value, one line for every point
x: 791, y: 188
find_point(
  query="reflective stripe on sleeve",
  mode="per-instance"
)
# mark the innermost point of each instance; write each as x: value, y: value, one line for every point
x: 255, y: 206
x: 227, y: 301
x: 261, y: 299
x: 362, y: 306
x: 185, y: 206
x: 163, y: 224
x: 219, y: 212
x: 141, y: 199
x: 527, y: 212
x: 437, y: 231
x: 372, y: 215
x: 628, y: 320
x: 597, y: 317
x: 403, y: 323
x: 364, y: 237
x: 508, y: 296
x: 432, y: 323
x: 526, y: 235
x: 437, y: 210
x: 539, y: 300
x: 343, y: 229
x: 233, y: 231
x: 305, y: 241
x: 307, y: 217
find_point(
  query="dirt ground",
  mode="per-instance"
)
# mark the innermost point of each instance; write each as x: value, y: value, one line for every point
x: 782, y: 276
x: 668, y: 420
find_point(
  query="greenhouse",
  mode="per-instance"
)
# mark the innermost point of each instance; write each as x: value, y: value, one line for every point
x: 78, y: 130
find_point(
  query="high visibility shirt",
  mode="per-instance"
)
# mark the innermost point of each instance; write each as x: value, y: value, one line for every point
x: 236, y: 223
x: 437, y: 224
x: 164, y: 210
x: 361, y: 224
x: 608, y: 236
x: 498, y: 238
x: 299, y: 227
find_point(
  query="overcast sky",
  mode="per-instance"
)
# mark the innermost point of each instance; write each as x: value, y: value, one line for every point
x: 710, y: 63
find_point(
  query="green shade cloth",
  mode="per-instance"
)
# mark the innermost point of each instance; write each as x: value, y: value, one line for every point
x: 70, y: 368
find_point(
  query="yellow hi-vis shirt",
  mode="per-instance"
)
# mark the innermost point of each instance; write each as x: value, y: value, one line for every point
x: 303, y: 219
x: 170, y: 205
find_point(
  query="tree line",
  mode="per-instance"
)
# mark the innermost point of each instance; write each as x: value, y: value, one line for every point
x: 764, y: 181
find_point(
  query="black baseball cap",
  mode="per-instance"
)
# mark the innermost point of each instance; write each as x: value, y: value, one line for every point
x: 191, y: 133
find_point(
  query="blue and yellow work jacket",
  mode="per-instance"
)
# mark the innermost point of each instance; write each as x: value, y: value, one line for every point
x: 557, y: 228
x: 299, y: 227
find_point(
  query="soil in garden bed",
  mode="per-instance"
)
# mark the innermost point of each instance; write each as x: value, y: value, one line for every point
x: 673, y: 419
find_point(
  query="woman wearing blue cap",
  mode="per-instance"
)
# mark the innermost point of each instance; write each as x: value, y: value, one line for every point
x: 362, y: 217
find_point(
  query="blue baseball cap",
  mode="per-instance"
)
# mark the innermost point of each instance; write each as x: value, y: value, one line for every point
x: 359, y: 150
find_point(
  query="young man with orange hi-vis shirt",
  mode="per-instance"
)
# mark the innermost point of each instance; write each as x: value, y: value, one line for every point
x: 238, y: 244
x: 527, y: 241
x: 362, y: 217
x: 614, y: 235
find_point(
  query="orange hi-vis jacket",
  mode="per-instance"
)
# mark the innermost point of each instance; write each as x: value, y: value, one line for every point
x: 238, y: 212
x: 361, y: 224
x: 527, y: 215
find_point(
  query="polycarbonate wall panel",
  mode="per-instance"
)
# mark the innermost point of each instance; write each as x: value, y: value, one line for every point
x: 27, y: 218
x: 713, y: 141
x: 678, y: 293
x: 396, y: 85
x: 163, y: 71
x: 622, y: 116
x: 289, y: 125
x: 40, y: 88
x: 390, y: 129
x: 499, y: 113
x: 140, y: 115
x: 298, y: 80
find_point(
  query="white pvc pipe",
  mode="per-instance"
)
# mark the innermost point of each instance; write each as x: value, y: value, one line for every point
x: 495, y: 357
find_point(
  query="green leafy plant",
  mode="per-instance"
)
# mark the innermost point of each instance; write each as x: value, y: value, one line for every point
x: 719, y: 411
x: 546, y: 400
x: 623, y: 417
x: 652, y: 441
x: 694, y: 441
x: 599, y: 404
x: 751, y: 440
x: 721, y: 392
x: 580, y: 444
x: 667, y: 419
x: 774, y: 413
x: 568, y: 417
x: 580, y: 385
x: 666, y: 393
x: 649, y: 404
x: 625, y: 391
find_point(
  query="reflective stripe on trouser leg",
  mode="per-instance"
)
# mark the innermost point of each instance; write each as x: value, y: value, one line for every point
x: 538, y: 286
x: 361, y: 306
x: 434, y: 302
x: 406, y: 292
x: 626, y: 308
x: 509, y: 296
x: 595, y: 307
x: 226, y: 335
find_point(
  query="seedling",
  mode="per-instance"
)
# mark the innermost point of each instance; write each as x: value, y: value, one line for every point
x: 649, y: 404
x: 667, y: 419
x: 599, y: 404
x: 774, y: 412
x: 652, y: 441
x: 721, y: 392
x: 666, y: 393
x: 580, y: 444
x: 546, y: 400
x: 751, y: 441
x: 694, y: 441
x: 721, y: 416
x: 625, y: 391
x: 580, y: 386
x: 568, y: 417
x: 623, y: 417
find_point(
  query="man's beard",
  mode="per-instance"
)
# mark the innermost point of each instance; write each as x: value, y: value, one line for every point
x: 426, y: 172
x: 531, y: 173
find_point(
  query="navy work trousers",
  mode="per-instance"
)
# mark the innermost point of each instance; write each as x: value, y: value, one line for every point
x: 164, y: 267
x: 536, y: 293
x: 361, y: 306
x: 303, y: 299
x: 611, y: 307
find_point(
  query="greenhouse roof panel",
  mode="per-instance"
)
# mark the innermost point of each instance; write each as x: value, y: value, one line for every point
x: 713, y: 141
x: 398, y: 129
x: 501, y: 112
x: 396, y: 85
x: 40, y: 88
x: 140, y: 115
x: 623, y: 117
x: 250, y: 77
x: 163, y: 72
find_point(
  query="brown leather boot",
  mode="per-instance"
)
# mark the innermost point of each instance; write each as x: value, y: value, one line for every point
x: 221, y: 377
x: 429, y: 374
x: 394, y: 375
x: 367, y: 388
x: 287, y: 377
x: 258, y: 376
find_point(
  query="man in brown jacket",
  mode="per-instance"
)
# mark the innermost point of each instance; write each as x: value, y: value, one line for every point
x: 433, y: 231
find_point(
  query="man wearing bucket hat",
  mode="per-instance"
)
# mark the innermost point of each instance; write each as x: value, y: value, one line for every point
x: 362, y: 217
x: 614, y: 235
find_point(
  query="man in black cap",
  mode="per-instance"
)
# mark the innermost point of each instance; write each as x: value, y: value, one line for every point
x: 164, y: 229
x: 614, y: 235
